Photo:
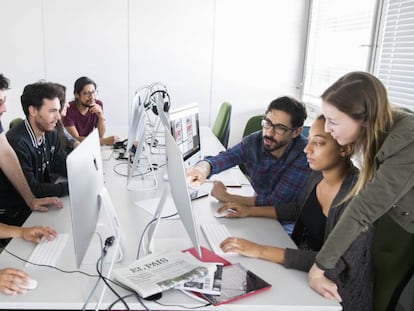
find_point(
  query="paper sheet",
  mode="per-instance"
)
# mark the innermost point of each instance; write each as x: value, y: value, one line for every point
x: 151, y: 205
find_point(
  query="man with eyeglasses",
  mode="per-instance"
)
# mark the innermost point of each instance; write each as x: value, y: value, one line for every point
x: 38, y: 148
x: 86, y: 112
x: 274, y: 159
x: 4, y: 86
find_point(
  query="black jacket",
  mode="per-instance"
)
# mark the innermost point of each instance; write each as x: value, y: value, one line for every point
x: 30, y: 158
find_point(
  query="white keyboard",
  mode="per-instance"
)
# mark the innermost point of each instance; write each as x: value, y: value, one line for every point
x: 215, y: 234
x: 48, y: 252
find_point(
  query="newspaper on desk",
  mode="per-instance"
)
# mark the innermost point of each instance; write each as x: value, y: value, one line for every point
x: 209, y: 284
x: 161, y: 271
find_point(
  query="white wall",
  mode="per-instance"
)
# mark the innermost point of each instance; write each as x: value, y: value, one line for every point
x: 247, y: 52
x: 171, y: 42
x: 258, y: 56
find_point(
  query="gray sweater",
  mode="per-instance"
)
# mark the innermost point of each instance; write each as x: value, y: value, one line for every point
x: 353, y: 273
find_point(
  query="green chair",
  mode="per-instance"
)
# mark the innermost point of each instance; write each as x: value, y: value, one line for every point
x: 393, y: 263
x: 254, y: 124
x: 15, y: 122
x: 221, y: 126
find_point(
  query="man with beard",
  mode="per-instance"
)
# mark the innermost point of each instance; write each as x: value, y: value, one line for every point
x: 86, y: 112
x: 38, y: 148
x: 274, y: 159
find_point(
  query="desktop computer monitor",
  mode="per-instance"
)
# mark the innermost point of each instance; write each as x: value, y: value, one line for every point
x: 151, y: 100
x: 180, y: 194
x: 89, y: 200
x: 141, y: 175
x: 185, y: 128
x: 136, y: 126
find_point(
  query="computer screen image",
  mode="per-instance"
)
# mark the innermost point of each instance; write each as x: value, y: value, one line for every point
x: 177, y: 186
x: 185, y: 128
x: 90, y: 204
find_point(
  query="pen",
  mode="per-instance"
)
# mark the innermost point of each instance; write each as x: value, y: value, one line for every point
x: 228, y: 185
x: 234, y: 186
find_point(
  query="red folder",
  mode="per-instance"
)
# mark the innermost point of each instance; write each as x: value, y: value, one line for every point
x: 238, y: 282
x: 207, y: 256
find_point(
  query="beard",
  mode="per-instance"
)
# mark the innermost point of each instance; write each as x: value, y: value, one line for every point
x: 87, y: 104
x: 276, y: 144
x: 44, y: 126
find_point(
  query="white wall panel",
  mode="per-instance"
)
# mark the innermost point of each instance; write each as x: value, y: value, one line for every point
x: 89, y: 38
x: 258, y: 56
x: 171, y: 42
x: 247, y: 52
x: 21, y: 51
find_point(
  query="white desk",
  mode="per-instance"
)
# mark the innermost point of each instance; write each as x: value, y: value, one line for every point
x: 57, y: 290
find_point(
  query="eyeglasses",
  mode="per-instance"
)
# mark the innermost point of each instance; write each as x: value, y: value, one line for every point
x: 277, y: 128
x: 89, y: 94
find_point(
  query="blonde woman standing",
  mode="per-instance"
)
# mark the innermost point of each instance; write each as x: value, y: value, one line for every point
x: 357, y: 111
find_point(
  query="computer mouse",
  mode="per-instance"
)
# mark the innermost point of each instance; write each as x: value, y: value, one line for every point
x: 31, y: 284
x: 224, y: 213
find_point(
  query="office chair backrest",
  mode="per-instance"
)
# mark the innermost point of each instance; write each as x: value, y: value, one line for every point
x: 393, y: 262
x: 254, y: 124
x: 305, y: 131
x: 15, y: 122
x: 221, y: 126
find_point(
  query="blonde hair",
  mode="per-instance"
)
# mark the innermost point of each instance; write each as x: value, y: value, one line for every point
x: 363, y: 97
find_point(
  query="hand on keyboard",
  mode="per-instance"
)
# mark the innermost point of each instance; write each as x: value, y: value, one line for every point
x: 215, y: 235
x: 34, y: 234
x: 243, y: 247
x: 47, y: 252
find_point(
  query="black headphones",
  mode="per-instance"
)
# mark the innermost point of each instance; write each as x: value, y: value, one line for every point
x: 151, y: 102
x: 155, y: 90
x: 120, y: 144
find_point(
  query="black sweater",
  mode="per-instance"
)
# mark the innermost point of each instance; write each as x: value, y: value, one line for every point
x: 353, y: 273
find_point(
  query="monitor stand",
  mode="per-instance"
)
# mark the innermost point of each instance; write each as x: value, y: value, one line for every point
x: 152, y: 230
x: 109, y: 218
x: 112, y: 218
x: 107, y: 226
x: 141, y: 170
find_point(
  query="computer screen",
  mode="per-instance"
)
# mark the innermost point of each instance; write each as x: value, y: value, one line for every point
x: 179, y: 192
x: 148, y: 113
x: 136, y: 125
x: 185, y: 128
x: 87, y: 194
x: 141, y: 175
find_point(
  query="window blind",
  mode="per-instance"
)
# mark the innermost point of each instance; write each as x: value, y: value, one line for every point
x: 394, y: 64
x: 339, y: 41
